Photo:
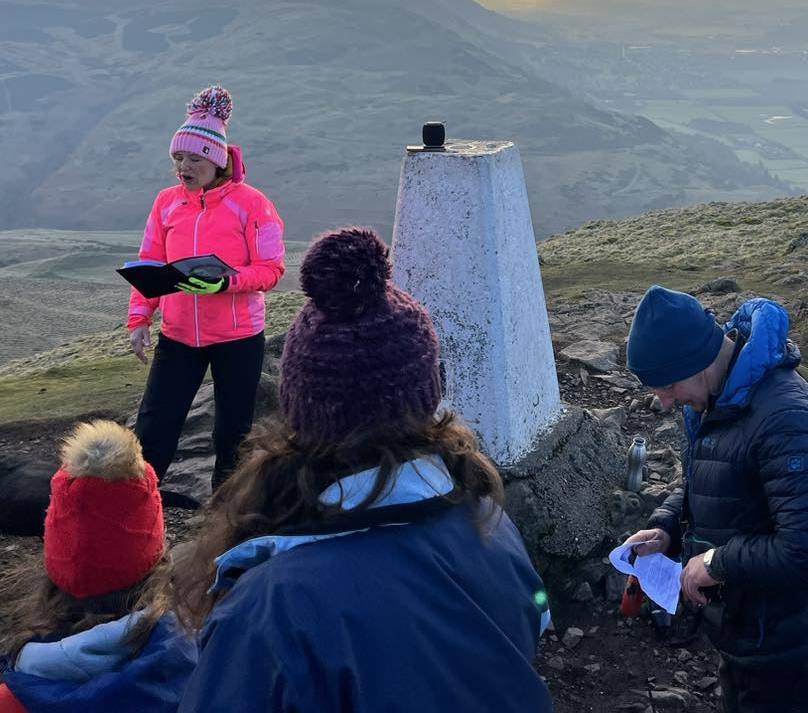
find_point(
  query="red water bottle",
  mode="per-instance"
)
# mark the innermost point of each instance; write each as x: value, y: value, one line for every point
x: 631, y: 603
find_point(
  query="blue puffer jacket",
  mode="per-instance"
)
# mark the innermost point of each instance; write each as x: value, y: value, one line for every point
x: 746, y: 493
x: 424, y: 615
x: 94, y: 672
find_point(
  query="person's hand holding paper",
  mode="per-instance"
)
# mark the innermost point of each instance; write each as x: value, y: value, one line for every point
x: 659, y: 576
x: 648, y: 542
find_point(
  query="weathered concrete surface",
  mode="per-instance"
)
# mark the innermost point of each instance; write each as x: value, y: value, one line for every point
x: 463, y: 245
x: 560, y: 495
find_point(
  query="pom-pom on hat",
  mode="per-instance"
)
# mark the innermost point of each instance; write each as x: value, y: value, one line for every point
x: 361, y: 353
x: 104, y: 528
x: 203, y: 132
x: 672, y: 338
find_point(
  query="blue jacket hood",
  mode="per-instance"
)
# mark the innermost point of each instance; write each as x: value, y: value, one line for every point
x: 763, y: 326
x: 81, y: 656
x: 93, y: 672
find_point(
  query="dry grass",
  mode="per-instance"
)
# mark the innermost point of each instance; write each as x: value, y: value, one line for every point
x: 97, y: 373
x: 714, y: 236
x: 764, y: 246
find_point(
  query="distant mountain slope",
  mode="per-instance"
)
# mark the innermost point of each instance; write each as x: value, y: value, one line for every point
x: 327, y: 94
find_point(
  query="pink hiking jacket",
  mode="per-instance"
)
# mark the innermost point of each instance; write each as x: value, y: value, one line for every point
x: 240, y: 225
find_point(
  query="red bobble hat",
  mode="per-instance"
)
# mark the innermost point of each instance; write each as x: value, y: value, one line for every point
x: 104, y: 529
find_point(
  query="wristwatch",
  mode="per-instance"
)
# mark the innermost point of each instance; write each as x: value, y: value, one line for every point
x: 708, y: 561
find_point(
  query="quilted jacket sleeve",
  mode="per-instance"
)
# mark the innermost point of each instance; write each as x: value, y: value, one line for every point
x: 778, y: 559
x: 265, y: 245
x: 667, y: 517
x: 153, y: 247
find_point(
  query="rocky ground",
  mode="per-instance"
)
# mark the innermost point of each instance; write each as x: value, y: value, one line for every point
x: 593, y: 659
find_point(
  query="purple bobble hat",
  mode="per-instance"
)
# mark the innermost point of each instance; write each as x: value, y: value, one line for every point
x: 361, y: 353
x: 203, y: 131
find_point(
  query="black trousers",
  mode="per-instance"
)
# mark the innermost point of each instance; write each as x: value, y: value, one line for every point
x: 175, y: 377
x: 755, y: 691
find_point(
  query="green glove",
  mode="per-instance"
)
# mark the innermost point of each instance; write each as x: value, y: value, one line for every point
x: 202, y: 287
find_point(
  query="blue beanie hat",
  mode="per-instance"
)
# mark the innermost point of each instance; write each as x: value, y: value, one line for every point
x: 672, y: 338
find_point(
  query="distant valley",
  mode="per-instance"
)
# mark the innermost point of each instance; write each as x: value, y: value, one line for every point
x: 56, y: 285
x: 327, y: 95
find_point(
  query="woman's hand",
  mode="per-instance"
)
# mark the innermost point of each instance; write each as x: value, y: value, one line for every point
x: 197, y: 286
x: 656, y: 540
x: 140, y: 339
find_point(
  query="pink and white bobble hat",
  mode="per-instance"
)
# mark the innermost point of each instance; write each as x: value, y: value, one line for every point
x: 203, y: 132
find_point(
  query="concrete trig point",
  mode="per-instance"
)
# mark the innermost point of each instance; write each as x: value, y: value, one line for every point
x: 463, y: 245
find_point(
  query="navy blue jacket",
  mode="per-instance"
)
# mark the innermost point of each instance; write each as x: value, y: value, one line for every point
x: 153, y: 680
x: 746, y: 493
x: 427, y: 616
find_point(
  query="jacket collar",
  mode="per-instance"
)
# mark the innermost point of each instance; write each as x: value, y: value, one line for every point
x: 416, y: 481
x: 211, y: 196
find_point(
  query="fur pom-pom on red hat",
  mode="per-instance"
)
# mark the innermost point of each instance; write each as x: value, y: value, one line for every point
x: 104, y: 529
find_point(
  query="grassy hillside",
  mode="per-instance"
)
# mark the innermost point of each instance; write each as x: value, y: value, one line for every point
x: 764, y: 246
x: 96, y: 373
x: 56, y: 285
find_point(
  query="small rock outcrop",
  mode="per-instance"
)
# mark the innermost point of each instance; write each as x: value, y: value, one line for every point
x: 593, y: 354
x: 558, y: 496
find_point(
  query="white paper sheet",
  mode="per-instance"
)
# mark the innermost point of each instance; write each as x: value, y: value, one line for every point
x: 659, y: 575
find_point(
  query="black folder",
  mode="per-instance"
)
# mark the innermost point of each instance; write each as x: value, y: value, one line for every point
x: 155, y: 279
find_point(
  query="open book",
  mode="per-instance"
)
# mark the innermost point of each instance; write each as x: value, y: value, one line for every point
x: 155, y: 279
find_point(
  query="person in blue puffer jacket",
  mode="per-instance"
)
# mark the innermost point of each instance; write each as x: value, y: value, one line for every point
x: 740, y: 523
x: 84, y: 634
x: 358, y: 560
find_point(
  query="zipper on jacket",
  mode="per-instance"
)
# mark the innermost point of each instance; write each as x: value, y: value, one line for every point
x: 233, y: 308
x: 196, y: 242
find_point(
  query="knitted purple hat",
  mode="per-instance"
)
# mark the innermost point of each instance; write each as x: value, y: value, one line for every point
x: 203, y: 132
x: 361, y: 352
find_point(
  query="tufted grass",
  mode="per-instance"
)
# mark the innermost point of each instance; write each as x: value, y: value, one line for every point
x: 96, y: 374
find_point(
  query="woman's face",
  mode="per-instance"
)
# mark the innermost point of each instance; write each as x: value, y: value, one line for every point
x: 194, y: 170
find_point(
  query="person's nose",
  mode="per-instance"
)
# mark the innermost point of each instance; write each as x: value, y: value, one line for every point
x: 666, y: 397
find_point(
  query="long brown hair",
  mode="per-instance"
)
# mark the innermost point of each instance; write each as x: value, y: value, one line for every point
x: 280, y: 479
x: 33, y: 608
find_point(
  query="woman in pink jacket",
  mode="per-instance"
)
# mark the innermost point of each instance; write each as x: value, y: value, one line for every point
x: 219, y: 323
